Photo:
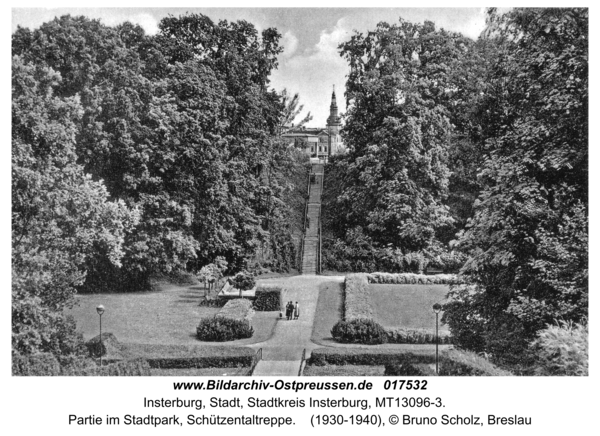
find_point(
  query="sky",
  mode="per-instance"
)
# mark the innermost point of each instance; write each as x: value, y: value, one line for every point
x: 310, y: 63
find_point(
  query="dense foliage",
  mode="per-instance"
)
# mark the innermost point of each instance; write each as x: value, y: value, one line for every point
x: 561, y: 349
x: 528, y: 240
x: 137, y: 155
x: 267, y: 299
x: 359, y: 331
x: 470, y: 155
x: 220, y: 329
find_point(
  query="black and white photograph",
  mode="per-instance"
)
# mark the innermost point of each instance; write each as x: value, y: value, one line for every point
x: 379, y: 193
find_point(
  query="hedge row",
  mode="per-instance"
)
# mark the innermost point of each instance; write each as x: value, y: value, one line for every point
x: 361, y: 356
x: 410, y: 278
x: 46, y: 364
x: 238, y: 309
x: 452, y: 362
x: 357, y: 299
x: 267, y: 299
x: 417, y: 336
x: 196, y: 356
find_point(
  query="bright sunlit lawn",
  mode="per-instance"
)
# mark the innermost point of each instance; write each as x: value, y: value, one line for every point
x: 407, y: 306
x: 169, y: 316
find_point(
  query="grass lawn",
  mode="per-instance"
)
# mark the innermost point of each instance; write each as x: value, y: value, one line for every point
x: 329, y: 311
x: 168, y: 316
x: 343, y: 370
x: 407, y: 306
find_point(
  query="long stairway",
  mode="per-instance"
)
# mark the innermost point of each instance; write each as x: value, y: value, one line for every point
x: 310, y: 254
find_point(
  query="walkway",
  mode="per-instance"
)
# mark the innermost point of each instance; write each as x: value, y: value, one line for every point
x: 282, y: 353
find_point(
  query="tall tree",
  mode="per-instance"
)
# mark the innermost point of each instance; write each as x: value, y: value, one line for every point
x: 398, y: 130
x: 60, y: 216
x: 528, y: 239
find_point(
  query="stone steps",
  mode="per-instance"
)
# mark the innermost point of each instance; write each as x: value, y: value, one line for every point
x: 311, y: 237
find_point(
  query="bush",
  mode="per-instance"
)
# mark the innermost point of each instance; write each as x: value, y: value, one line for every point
x: 37, y: 364
x: 108, y: 345
x: 562, y: 349
x: 357, y: 299
x: 359, y: 331
x: 406, y: 369
x: 220, y: 328
x: 267, y: 299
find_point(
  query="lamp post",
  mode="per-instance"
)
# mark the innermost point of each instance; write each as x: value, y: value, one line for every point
x: 437, y: 307
x: 100, y: 310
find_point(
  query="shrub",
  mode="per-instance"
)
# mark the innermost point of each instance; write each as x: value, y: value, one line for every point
x: 357, y: 299
x: 267, y: 299
x: 238, y: 309
x: 562, y: 349
x: 359, y: 331
x: 108, y: 345
x: 36, y: 364
x: 406, y: 369
x: 220, y: 328
x: 456, y: 362
x: 417, y: 336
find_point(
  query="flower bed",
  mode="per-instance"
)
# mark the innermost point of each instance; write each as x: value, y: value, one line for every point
x: 410, y: 278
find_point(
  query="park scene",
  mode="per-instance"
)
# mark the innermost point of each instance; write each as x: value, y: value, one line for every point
x: 179, y: 208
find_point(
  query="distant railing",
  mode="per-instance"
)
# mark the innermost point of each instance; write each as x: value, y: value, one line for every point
x: 257, y: 358
x: 302, y: 362
x: 319, y: 252
x: 304, y: 221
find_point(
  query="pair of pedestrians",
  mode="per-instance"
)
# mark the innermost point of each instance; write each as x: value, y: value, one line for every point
x: 292, y: 311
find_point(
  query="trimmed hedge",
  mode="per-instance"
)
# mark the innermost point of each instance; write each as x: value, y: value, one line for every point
x: 124, y: 368
x: 452, y: 362
x: 359, y: 331
x: 239, y: 309
x: 221, y: 329
x: 408, y: 369
x: 46, y: 364
x: 195, y: 356
x: 417, y: 336
x: 412, y: 279
x: 267, y: 299
x: 361, y: 356
x: 357, y: 299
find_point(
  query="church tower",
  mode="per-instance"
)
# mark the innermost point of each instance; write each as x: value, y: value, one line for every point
x: 333, y: 126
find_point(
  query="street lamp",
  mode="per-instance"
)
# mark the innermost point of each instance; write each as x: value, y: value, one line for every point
x: 437, y: 307
x: 100, y: 310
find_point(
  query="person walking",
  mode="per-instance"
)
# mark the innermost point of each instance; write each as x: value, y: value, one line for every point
x: 296, y: 311
x: 289, y: 310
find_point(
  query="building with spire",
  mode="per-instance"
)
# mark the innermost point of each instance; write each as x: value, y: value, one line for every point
x: 320, y: 142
